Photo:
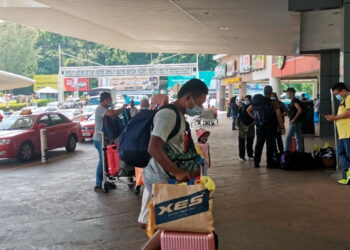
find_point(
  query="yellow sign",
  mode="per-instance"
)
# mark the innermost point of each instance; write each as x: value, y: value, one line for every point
x: 232, y: 80
x: 42, y: 81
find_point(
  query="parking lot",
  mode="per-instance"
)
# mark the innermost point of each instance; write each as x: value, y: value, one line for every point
x: 53, y: 206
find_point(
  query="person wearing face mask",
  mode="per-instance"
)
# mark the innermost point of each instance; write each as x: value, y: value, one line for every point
x: 102, y: 110
x: 277, y: 104
x: 294, y: 112
x: 342, y: 119
x: 246, y: 130
x: 161, y: 168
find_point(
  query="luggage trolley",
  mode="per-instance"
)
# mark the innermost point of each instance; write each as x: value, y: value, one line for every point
x: 111, y: 169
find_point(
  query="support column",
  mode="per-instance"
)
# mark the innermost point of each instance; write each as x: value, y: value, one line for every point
x: 328, y: 76
x: 243, y: 89
x: 230, y: 91
x: 275, y: 83
x: 344, y: 41
x: 222, y: 97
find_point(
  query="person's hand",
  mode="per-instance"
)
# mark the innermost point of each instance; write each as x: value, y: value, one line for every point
x: 237, y: 127
x: 292, y: 121
x: 182, y: 176
x: 330, y: 118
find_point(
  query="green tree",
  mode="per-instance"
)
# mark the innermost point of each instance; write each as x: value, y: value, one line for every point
x: 17, y: 51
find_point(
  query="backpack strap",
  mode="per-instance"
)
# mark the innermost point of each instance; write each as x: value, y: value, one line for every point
x: 178, y: 119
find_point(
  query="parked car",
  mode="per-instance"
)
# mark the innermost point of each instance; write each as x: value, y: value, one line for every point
x: 45, y: 109
x: 57, y: 105
x: 20, y: 134
x: 88, y: 128
x: 88, y: 111
x: 72, y: 114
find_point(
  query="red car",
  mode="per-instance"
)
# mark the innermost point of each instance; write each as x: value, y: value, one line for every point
x: 88, y: 128
x: 20, y: 134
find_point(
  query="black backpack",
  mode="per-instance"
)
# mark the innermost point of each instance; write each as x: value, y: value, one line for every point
x: 263, y: 111
x: 133, y: 141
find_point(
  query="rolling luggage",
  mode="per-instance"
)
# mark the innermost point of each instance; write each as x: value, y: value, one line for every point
x: 187, y: 241
x: 112, y: 159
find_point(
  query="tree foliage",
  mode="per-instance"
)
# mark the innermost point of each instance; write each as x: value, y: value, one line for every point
x: 17, y: 51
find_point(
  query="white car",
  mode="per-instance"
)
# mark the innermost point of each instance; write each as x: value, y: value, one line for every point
x: 89, y: 111
x: 56, y: 105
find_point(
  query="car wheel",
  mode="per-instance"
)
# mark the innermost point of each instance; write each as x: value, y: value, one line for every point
x: 25, y: 152
x: 72, y: 143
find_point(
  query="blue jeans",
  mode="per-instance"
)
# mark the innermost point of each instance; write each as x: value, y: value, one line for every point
x: 234, y: 119
x: 99, y: 170
x: 294, y: 129
x: 343, y: 152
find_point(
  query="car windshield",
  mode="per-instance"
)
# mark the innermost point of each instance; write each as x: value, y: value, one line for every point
x: 92, y: 118
x: 17, y: 122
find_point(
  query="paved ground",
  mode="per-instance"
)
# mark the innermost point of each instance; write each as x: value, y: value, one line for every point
x: 53, y: 206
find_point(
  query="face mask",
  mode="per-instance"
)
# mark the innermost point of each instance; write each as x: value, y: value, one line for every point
x: 339, y: 97
x: 194, y: 111
x: 246, y: 102
x: 273, y: 98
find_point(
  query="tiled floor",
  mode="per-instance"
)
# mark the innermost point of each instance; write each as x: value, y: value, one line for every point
x: 54, y: 207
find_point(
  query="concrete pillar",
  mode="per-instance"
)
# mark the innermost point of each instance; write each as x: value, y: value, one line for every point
x: 230, y: 91
x: 345, y: 43
x: 275, y: 83
x: 243, y: 89
x: 328, y: 76
x: 222, y: 97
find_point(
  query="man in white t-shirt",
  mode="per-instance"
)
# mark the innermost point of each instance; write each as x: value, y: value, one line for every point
x: 160, y: 169
x: 101, y: 111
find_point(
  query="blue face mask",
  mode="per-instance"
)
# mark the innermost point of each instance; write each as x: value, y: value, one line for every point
x: 339, y: 97
x: 194, y: 111
x: 246, y: 102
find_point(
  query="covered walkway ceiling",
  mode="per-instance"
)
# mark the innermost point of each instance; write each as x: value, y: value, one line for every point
x: 10, y: 81
x: 183, y: 26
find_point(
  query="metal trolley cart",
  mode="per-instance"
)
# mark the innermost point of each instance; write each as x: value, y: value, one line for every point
x: 109, y: 180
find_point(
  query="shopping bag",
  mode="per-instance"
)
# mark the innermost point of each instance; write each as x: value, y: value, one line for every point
x: 184, y: 208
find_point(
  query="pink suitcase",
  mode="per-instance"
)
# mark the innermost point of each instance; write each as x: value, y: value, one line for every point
x: 187, y: 241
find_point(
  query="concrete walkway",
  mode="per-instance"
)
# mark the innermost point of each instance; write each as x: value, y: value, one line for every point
x: 54, y: 206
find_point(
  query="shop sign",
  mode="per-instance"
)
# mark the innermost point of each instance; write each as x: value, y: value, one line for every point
x: 43, y: 81
x: 231, y: 68
x: 280, y: 61
x: 258, y: 62
x: 232, y: 80
x: 76, y: 84
x: 245, y: 63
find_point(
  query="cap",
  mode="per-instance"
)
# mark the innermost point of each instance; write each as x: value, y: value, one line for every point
x: 292, y: 90
x: 268, y: 90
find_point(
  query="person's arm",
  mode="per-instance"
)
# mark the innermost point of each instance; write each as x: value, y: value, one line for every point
x: 113, y: 112
x: 300, y: 110
x: 155, y: 149
x: 250, y: 111
x: 280, y: 120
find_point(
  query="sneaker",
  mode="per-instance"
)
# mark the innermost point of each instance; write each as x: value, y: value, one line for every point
x: 251, y: 158
x: 242, y: 159
x: 98, y: 189
x: 344, y: 181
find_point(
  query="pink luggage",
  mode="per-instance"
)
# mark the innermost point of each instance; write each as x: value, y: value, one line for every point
x: 187, y: 241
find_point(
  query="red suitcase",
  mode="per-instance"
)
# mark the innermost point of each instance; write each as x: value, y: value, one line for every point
x: 187, y: 241
x: 112, y: 159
